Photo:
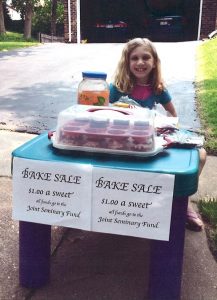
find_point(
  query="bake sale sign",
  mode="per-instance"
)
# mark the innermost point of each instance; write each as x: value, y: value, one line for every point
x: 105, y: 200
x: 52, y: 193
x: 132, y: 203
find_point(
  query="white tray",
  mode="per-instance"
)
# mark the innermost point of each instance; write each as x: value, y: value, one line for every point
x: 158, y: 148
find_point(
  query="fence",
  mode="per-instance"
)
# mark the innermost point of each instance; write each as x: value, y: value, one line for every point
x: 45, y: 38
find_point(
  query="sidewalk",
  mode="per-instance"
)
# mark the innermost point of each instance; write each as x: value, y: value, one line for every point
x: 84, y: 265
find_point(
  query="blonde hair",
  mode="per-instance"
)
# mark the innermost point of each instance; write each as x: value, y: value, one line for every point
x: 124, y: 79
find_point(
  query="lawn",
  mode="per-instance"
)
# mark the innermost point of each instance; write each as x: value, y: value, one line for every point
x: 208, y: 209
x: 206, y: 91
x: 13, y: 40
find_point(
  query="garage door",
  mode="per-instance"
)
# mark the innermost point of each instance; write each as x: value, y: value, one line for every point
x: 106, y: 21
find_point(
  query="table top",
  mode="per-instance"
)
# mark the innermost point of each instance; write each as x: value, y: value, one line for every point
x: 183, y: 163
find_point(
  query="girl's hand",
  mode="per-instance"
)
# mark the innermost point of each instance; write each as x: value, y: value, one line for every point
x: 169, y: 107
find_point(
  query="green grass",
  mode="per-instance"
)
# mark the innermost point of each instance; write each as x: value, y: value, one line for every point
x: 13, y: 40
x: 208, y: 209
x: 206, y: 89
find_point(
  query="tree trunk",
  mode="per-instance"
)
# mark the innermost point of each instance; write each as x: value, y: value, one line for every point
x: 2, y: 22
x: 28, y: 19
x: 53, y: 16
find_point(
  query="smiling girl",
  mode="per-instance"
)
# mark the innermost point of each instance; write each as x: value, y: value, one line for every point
x: 138, y: 76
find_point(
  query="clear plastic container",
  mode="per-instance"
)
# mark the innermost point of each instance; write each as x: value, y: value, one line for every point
x: 93, y: 89
x: 106, y: 130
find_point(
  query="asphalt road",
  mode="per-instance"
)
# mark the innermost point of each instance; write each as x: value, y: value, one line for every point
x: 37, y: 83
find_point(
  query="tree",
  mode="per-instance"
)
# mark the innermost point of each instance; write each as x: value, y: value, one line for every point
x: 39, y: 14
x: 28, y: 19
x: 53, y: 17
x: 26, y: 8
x: 43, y: 21
x: 2, y: 22
x: 57, y: 12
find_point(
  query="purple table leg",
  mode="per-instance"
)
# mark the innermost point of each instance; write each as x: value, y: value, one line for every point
x: 34, y: 254
x: 167, y: 257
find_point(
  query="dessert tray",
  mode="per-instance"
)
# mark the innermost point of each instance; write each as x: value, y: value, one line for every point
x: 107, y: 130
x: 158, y: 147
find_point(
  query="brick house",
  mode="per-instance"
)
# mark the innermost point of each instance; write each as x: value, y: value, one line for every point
x: 79, y: 17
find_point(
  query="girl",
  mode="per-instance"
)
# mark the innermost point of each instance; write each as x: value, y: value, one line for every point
x: 138, y: 76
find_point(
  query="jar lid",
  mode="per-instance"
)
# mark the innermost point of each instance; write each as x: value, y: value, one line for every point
x: 90, y: 74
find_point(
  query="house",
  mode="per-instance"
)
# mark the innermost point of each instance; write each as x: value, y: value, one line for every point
x: 113, y: 20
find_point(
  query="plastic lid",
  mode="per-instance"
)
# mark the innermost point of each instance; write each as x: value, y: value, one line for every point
x: 91, y: 74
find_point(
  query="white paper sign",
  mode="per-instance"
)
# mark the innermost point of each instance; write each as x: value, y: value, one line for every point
x: 54, y: 193
x: 132, y: 203
x: 99, y: 199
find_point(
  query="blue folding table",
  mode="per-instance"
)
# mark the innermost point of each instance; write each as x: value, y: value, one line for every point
x: 166, y: 257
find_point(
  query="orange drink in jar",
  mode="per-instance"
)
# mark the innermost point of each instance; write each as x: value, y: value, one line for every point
x: 94, y: 97
x: 93, y: 89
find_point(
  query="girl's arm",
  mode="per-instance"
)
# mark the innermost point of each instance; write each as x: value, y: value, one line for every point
x: 169, y: 107
x: 114, y: 93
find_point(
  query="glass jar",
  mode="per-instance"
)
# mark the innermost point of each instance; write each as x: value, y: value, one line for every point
x: 93, y: 89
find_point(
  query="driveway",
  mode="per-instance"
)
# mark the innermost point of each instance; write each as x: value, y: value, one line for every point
x: 38, y: 82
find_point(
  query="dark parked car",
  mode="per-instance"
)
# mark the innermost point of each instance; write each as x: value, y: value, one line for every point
x: 167, y: 28
x: 110, y: 31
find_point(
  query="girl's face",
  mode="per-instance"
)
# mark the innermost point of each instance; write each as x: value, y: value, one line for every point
x: 141, y: 63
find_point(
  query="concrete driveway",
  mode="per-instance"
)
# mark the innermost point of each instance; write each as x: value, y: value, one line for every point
x: 38, y: 82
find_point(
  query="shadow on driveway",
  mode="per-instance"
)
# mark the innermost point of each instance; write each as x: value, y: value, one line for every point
x: 35, y: 108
